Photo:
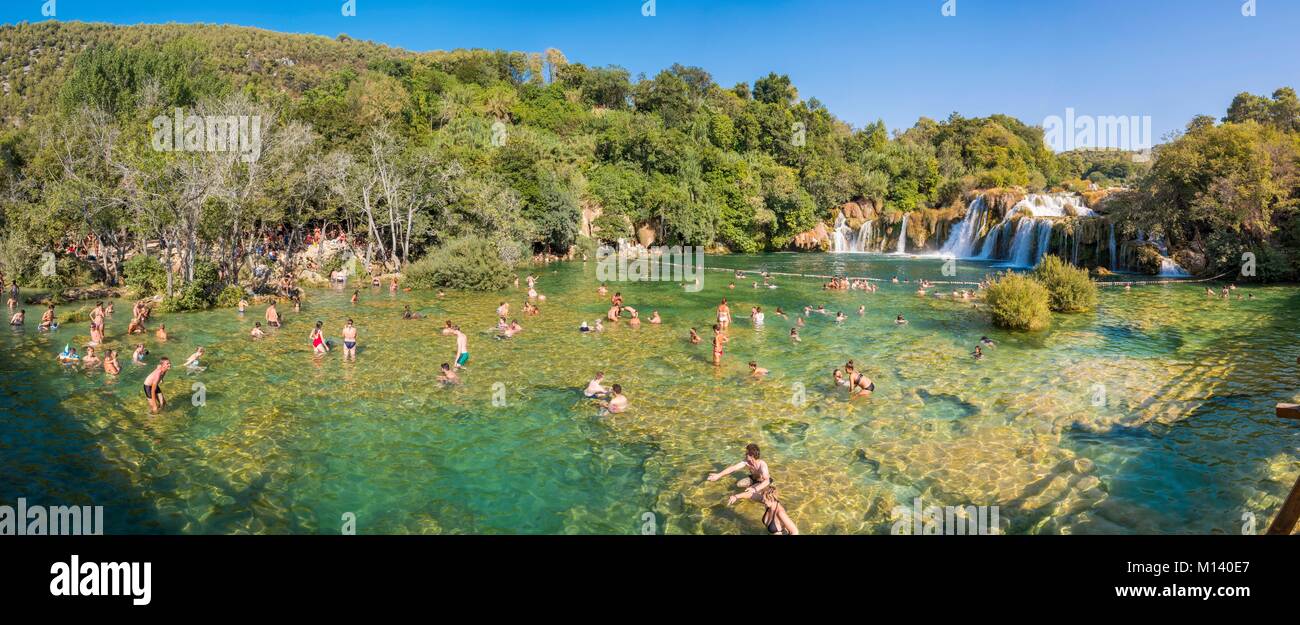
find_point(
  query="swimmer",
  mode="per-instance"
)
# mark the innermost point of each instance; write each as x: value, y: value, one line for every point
x: 69, y: 355
x: 349, y: 341
x: 161, y: 334
x: 862, y: 310
x: 719, y: 341
x: 318, y: 343
x: 756, y: 371
x: 243, y: 305
x: 794, y: 335
x: 138, y: 355
x: 654, y: 318
x: 617, y: 401
x: 635, y: 320
x: 899, y: 320
x: 756, y: 315
x: 111, y: 367
x: 257, y: 332
x: 192, y: 362
x: 759, y: 475
x: 595, y: 388
x: 775, y: 518
x: 584, y: 327
x: 600, y: 325
x: 47, y: 320
x: 859, y: 384
x: 408, y: 315
x: 513, y: 328
x: 19, y: 318
x: 781, y: 313
x: 136, y: 326
x: 839, y: 317
x: 695, y: 337
x: 462, y: 344
x: 447, y: 376
x: 978, y: 354
x: 986, y: 341
x: 91, y: 360
x: 724, y: 314
x: 392, y: 285
x: 355, y: 296
x: 272, y: 315
x: 153, y: 385
x: 838, y: 376
x: 602, y: 291
x: 503, y: 310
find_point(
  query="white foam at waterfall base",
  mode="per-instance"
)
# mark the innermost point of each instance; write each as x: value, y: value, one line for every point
x: 902, y: 237
x: 1171, y: 269
x: 1030, y: 236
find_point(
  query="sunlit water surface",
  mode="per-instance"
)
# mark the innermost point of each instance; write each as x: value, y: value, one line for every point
x: 1153, y: 414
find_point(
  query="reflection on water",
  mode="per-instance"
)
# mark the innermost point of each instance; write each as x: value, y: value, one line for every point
x: 1153, y: 414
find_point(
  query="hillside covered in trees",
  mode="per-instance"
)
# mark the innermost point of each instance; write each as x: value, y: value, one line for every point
x: 412, y: 151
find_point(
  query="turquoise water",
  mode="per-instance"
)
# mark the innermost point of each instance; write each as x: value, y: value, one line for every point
x: 1183, y: 439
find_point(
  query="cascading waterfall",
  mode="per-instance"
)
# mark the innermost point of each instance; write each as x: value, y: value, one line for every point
x: 961, y: 243
x: 1028, y: 224
x: 1114, y: 260
x: 1022, y: 242
x: 844, y: 240
x: 902, y: 237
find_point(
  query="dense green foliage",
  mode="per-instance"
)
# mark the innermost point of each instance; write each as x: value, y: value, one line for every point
x: 469, y: 263
x: 409, y: 151
x: 1070, y: 287
x: 145, y: 275
x: 1019, y: 302
x: 200, y: 292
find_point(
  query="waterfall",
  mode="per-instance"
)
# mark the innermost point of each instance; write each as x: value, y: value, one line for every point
x: 1114, y: 261
x: 1171, y: 269
x: 1044, y: 239
x: 1030, y: 236
x: 840, y: 236
x: 864, y: 237
x: 961, y: 243
x: 902, y: 237
x: 1022, y: 242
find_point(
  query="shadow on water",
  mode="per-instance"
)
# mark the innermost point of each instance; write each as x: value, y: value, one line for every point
x: 1217, y: 456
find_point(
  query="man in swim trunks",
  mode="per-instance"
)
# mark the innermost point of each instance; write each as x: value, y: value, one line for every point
x: 350, y: 341
x: 272, y: 315
x: 617, y: 400
x: 153, y: 385
x: 47, y: 319
x: 759, y: 476
x: 462, y: 344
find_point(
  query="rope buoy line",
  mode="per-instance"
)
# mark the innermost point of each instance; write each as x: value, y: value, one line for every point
x: 870, y: 279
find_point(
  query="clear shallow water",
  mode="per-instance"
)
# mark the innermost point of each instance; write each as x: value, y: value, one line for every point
x: 1184, y: 441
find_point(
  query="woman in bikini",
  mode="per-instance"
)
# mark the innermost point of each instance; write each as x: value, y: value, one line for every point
x: 859, y: 384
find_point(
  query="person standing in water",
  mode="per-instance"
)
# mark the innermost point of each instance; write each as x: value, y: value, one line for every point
x: 350, y: 341
x: 724, y: 314
x: 272, y: 315
x: 153, y: 385
x: 462, y: 344
x: 318, y: 344
x: 47, y: 319
x: 775, y: 518
x: 719, y: 340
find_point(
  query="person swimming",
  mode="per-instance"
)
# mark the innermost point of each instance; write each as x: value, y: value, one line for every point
x: 111, y: 367
x: 755, y: 370
x: 19, y: 318
x: 584, y: 327
x: 257, y: 332
x: 760, y: 476
x: 192, y: 363
x: 595, y: 388
x: 161, y: 334
x: 794, y: 335
x: 775, y: 518
x: 69, y: 355
x: 139, y: 354
x: 978, y: 354
x: 899, y: 320
x: 617, y: 402
x: 695, y: 337
x: 447, y: 375
x: 986, y: 341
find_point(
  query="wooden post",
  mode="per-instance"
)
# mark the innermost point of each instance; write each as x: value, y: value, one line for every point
x: 1285, y: 521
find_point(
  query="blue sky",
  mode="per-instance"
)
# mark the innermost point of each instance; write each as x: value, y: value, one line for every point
x: 894, y: 60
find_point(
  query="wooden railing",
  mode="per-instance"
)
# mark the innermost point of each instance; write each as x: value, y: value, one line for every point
x: 1285, y: 521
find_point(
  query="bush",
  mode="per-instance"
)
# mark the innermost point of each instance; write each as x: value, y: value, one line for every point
x: 469, y: 263
x: 198, y: 294
x: 1070, y: 288
x: 230, y: 296
x: 144, y: 275
x: 1019, y: 302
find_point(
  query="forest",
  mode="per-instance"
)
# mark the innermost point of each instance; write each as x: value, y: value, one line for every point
x: 519, y: 153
